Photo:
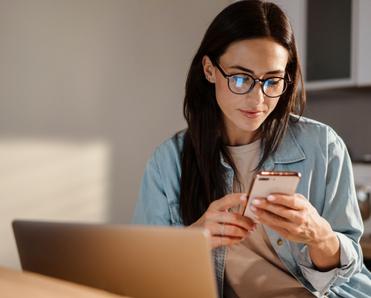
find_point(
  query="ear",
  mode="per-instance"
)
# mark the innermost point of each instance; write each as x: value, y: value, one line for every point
x: 209, y: 69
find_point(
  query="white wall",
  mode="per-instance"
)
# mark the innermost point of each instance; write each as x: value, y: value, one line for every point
x: 88, y: 88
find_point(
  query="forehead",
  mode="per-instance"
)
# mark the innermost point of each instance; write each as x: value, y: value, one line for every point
x: 260, y: 55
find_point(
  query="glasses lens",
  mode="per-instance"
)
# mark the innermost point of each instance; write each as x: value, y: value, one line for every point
x: 274, y: 87
x: 240, y: 83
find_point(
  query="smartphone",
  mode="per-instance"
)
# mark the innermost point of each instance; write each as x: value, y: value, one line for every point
x: 266, y: 183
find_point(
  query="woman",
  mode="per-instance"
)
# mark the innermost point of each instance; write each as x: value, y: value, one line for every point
x: 241, y: 105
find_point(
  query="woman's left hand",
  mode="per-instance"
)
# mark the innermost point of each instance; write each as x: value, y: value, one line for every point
x: 293, y: 217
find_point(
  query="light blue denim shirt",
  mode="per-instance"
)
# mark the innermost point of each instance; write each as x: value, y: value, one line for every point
x: 319, y: 154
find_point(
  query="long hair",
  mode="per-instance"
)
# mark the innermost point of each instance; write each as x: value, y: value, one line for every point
x: 203, y: 177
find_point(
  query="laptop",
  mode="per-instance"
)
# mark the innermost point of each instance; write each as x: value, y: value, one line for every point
x: 134, y: 261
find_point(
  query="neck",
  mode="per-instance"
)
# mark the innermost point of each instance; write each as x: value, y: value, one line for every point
x: 240, y: 139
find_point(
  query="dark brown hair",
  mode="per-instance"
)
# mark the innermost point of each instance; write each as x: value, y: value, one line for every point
x: 203, y: 177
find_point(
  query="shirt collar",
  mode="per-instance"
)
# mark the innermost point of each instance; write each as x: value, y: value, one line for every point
x: 289, y: 151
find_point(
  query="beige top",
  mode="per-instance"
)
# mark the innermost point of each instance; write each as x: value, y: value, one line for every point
x: 253, y: 268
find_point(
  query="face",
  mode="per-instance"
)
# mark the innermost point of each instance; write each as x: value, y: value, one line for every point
x: 244, y: 114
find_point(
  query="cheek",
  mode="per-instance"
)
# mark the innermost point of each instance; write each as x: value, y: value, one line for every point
x: 227, y: 102
x: 221, y: 87
x: 223, y: 95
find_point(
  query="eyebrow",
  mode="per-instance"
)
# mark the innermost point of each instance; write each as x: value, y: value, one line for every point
x: 278, y: 71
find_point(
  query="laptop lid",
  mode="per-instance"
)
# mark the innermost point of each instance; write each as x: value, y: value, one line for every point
x: 136, y: 261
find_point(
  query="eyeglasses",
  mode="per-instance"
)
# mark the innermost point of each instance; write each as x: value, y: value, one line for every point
x: 242, y: 83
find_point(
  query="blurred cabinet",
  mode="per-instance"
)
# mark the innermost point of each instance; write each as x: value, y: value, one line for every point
x: 328, y: 41
x: 334, y: 40
x: 362, y: 23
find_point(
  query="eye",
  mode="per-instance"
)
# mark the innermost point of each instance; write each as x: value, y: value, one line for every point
x: 272, y: 82
x: 241, y: 80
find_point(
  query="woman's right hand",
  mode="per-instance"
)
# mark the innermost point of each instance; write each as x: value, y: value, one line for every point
x: 226, y: 228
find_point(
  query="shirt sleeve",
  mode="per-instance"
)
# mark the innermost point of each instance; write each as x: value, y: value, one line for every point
x: 341, y: 210
x: 152, y: 206
x: 323, y: 280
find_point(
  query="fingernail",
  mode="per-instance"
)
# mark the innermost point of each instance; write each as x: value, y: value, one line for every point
x: 243, y: 197
x: 271, y: 198
x: 256, y: 202
x: 253, y: 208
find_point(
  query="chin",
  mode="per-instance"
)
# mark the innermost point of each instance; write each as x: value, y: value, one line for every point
x: 251, y: 127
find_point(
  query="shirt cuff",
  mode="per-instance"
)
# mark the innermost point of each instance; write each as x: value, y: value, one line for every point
x: 323, y: 280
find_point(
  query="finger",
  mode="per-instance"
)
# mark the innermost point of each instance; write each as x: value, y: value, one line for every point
x: 237, y: 219
x: 217, y: 229
x: 228, y: 201
x: 288, y: 234
x: 231, y: 218
x: 217, y: 241
x: 291, y: 214
x: 233, y: 231
x: 272, y: 219
x: 297, y: 201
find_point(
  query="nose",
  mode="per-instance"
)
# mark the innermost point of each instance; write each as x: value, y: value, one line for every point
x: 256, y: 94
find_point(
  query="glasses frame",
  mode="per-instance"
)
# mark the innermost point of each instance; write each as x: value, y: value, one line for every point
x: 255, y: 80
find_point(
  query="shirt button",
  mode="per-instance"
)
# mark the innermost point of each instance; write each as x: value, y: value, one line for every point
x: 279, y: 242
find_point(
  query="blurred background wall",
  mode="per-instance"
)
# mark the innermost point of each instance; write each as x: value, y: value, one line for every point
x: 88, y: 89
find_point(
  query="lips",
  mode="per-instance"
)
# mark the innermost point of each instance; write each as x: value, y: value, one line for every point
x: 251, y: 113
